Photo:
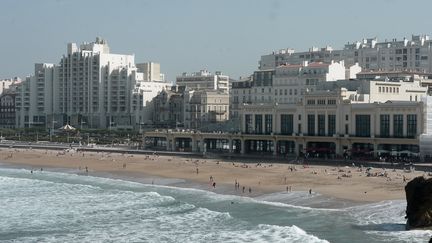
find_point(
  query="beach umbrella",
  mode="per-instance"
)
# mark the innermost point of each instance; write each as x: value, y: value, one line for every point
x: 67, y: 127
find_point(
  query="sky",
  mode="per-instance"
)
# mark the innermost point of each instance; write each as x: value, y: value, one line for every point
x: 191, y: 35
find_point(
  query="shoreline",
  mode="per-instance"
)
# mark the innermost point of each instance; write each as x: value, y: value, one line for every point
x: 341, y: 185
x: 301, y: 198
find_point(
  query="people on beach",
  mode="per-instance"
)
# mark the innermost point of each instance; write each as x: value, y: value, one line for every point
x: 197, y: 171
x: 310, y: 191
x: 250, y: 190
x: 244, y: 189
x: 214, y: 184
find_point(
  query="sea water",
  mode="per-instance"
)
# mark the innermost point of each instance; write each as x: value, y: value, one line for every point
x: 65, y: 207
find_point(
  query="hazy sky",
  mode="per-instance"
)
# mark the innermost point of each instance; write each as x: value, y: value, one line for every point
x: 189, y: 35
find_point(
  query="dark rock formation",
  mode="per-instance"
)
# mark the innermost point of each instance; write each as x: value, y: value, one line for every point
x: 419, y: 203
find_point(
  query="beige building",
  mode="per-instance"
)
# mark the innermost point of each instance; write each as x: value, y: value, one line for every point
x: 328, y: 124
x: 168, y: 108
x: 204, y: 110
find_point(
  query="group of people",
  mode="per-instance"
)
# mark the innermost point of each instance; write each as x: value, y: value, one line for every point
x: 237, y: 187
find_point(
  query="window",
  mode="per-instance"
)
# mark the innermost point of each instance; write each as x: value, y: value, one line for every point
x: 321, y: 102
x: 346, y: 117
x: 411, y: 125
x: 331, y: 125
x: 379, y: 89
x: 248, y: 123
x: 311, y: 102
x: 331, y: 102
x: 299, y: 117
x: 268, y: 123
x: 287, y: 124
x: 362, y: 125
x: 385, y: 126
x: 321, y: 125
x: 311, y: 125
x: 258, y: 124
x: 398, y: 126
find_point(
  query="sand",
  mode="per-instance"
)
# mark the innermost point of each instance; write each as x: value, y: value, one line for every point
x: 348, y: 183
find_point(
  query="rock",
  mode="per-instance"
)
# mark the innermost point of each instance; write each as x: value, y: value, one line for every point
x: 419, y: 203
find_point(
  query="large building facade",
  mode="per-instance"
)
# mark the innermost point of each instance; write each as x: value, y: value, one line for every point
x: 327, y: 125
x: 90, y: 87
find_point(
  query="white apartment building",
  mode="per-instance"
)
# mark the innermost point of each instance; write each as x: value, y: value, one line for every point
x: 410, y: 55
x: 91, y: 87
x: 32, y: 95
x: 151, y: 71
x: 204, y: 80
x: 286, y: 83
x: 291, y: 81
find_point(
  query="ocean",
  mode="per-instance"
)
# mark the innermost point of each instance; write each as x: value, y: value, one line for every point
x: 57, y: 206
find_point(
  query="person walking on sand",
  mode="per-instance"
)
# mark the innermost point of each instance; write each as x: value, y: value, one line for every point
x: 243, y: 189
x: 214, y: 184
x: 197, y: 171
x: 310, y: 191
x: 250, y: 190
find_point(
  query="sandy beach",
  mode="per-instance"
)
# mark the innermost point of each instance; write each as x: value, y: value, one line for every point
x: 348, y: 183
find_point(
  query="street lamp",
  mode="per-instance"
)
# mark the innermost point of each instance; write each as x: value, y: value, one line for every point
x: 52, y: 128
x: 81, y: 124
x: 140, y: 127
x: 111, y: 124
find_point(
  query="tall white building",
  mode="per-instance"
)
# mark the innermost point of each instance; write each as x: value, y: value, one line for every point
x: 91, y: 87
x: 411, y: 55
